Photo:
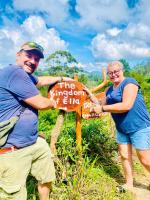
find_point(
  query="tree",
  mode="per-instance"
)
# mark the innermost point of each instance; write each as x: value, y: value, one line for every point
x: 126, y: 66
x: 61, y: 58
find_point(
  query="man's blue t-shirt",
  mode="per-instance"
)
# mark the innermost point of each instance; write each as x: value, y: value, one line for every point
x: 135, y: 119
x: 16, y: 86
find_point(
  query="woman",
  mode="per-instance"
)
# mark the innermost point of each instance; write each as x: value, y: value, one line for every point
x: 126, y: 104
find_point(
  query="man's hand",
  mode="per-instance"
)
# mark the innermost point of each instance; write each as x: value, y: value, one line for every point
x: 86, y: 90
x: 90, y: 95
x: 67, y: 79
x: 53, y: 103
x: 50, y: 80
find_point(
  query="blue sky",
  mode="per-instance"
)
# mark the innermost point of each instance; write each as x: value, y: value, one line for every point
x: 94, y: 31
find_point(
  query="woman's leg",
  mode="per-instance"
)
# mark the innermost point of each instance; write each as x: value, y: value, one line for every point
x: 125, y: 151
x: 144, y: 157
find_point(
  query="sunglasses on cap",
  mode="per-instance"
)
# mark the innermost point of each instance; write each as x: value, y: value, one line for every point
x: 28, y: 46
x: 35, y: 45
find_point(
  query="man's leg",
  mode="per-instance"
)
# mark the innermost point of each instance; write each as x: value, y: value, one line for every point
x: 43, y: 167
x: 125, y: 151
x: 14, y: 169
x: 44, y: 191
x: 144, y: 157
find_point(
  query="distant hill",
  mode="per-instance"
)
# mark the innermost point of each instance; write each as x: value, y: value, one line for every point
x: 95, y: 75
x: 143, y: 69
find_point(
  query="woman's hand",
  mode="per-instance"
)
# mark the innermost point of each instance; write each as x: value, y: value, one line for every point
x: 97, y: 109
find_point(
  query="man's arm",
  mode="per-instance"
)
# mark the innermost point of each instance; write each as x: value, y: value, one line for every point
x: 40, y: 103
x: 49, y: 80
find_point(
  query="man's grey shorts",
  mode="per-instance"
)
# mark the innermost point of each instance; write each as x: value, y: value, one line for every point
x: 15, y: 167
x: 139, y: 139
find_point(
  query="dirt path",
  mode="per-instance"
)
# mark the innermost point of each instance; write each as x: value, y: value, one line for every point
x: 142, y: 188
x: 142, y: 194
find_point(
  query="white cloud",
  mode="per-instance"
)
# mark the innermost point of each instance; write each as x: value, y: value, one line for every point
x: 35, y: 28
x: 32, y: 29
x: 104, y: 17
x: 97, y: 66
x: 80, y: 65
x: 98, y: 14
x: 106, y: 48
x: 139, y: 31
x: 143, y: 12
x: 56, y: 11
x: 114, y: 31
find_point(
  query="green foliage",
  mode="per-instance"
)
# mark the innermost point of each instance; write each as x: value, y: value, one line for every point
x: 137, y: 76
x: 47, y: 119
x: 32, y: 190
x: 143, y: 69
x: 64, y: 71
x: 43, y: 91
x: 83, y: 78
x: 142, y: 74
x: 95, y: 174
x: 96, y: 134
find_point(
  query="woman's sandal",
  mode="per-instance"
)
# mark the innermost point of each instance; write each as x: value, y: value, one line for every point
x: 121, y: 189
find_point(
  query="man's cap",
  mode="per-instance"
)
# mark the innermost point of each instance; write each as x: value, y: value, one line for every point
x: 33, y: 46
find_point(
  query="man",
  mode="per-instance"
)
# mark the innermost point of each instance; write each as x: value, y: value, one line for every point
x: 24, y: 151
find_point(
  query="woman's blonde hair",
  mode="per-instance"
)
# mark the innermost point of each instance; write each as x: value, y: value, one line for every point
x: 116, y: 63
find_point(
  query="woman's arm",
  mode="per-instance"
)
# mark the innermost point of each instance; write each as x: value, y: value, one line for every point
x: 128, y: 99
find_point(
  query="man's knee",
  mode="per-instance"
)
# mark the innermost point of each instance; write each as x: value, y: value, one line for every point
x: 44, y: 187
x: 44, y: 190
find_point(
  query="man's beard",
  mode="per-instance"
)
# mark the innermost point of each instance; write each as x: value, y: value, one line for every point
x: 32, y: 66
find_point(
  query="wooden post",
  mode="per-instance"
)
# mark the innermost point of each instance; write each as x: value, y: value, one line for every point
x: 105, y: 81
x: 78, y: 127
x: 78, y: 124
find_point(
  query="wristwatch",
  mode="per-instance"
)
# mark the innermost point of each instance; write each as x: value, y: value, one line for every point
x: 61, y: 79
x: 103, y: 109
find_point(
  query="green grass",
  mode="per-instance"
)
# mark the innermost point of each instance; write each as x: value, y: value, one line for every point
x: 92, y: 175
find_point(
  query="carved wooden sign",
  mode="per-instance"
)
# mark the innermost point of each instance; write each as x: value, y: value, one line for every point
x: 87, y: 111
x: 69, y: 96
